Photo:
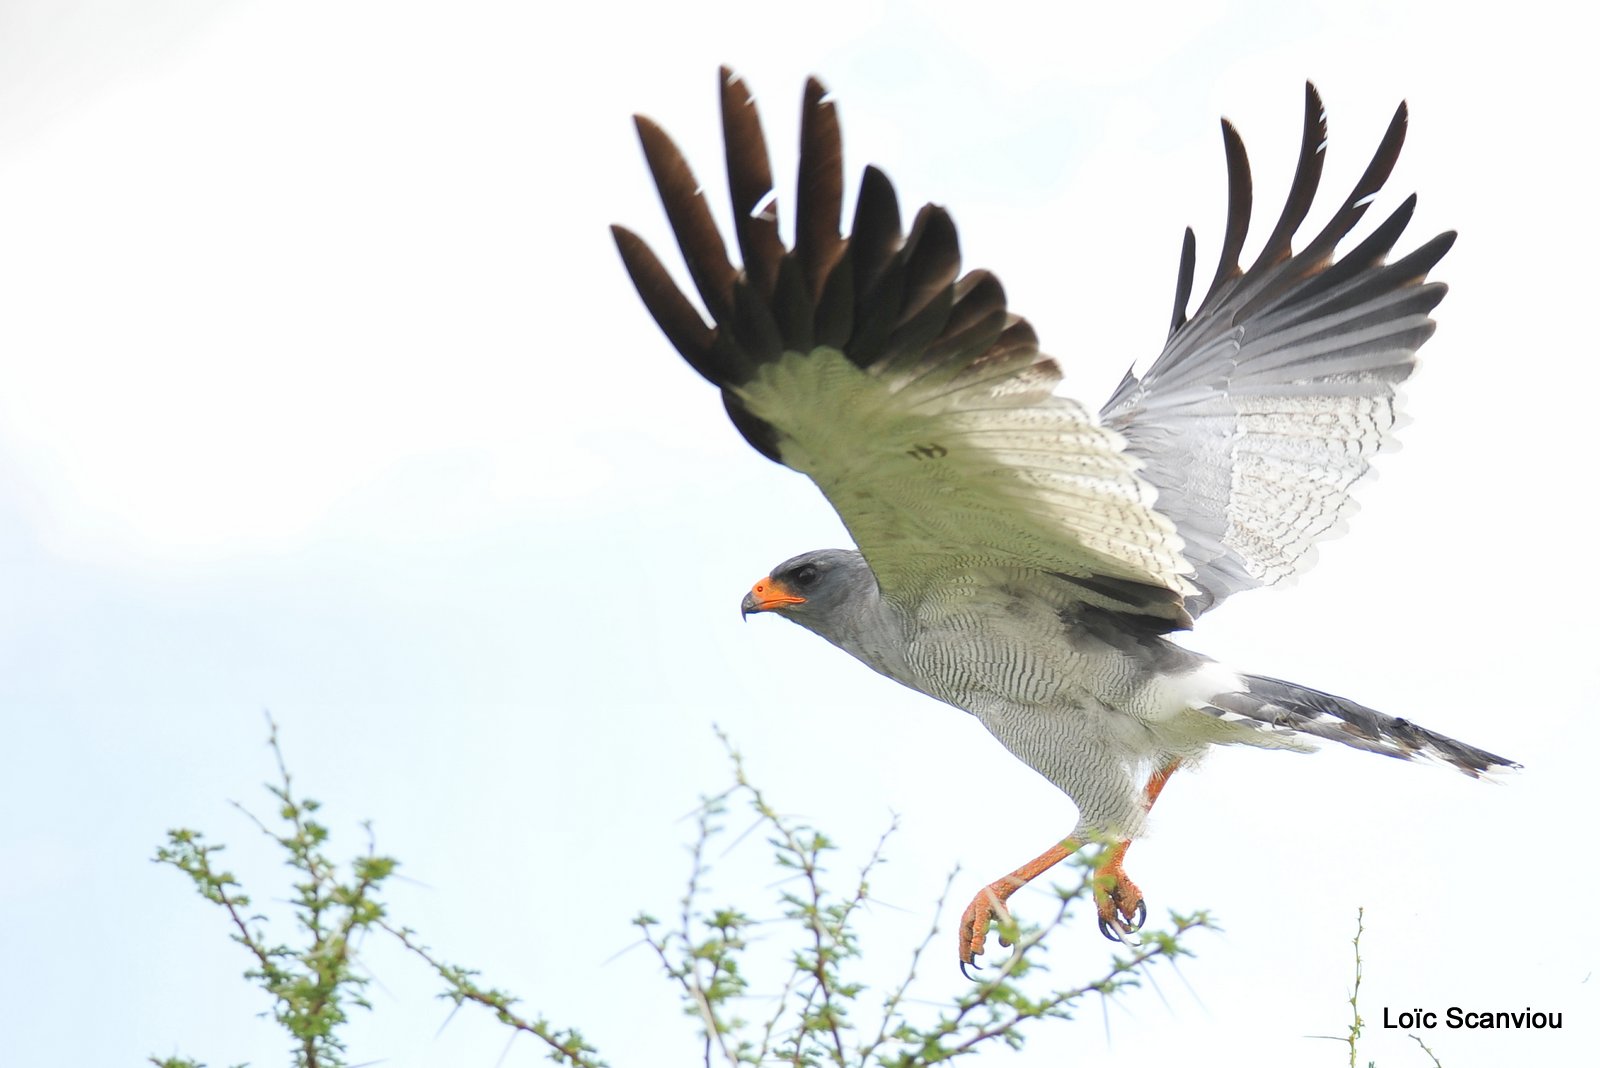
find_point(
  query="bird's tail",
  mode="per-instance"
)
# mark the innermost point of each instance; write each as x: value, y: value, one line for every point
x: 1281, y: 705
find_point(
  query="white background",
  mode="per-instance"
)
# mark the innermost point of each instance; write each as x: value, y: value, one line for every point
x: 322, y: 391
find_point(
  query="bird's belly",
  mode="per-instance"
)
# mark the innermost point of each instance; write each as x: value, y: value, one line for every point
x: 1080, y: 713
x: 1048, y: 708
x: 1053, y: 708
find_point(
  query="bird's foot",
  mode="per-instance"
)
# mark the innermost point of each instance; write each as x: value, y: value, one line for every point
x: 990, y: 904
x: 986, y: 908
x: 1119, y: 902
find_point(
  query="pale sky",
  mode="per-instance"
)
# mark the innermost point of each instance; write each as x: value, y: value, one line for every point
x: 324, y: 393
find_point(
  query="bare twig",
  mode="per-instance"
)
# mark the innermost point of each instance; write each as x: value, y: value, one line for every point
x: 1418, y: 1040
x: 565, y: 1045
x: 1355, y: 990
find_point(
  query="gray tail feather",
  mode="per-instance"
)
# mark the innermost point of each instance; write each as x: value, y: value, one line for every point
x: 1285, y: 705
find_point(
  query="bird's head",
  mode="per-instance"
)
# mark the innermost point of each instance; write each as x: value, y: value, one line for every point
x: 813, y: 589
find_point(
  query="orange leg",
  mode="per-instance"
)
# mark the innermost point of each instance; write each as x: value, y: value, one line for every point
x: 991, y: 900
x: 1117, y: 898
x: 1120, y: 895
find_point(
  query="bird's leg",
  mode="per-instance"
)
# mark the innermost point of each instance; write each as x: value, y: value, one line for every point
x: 1117, y: 898
x: 990, y: 902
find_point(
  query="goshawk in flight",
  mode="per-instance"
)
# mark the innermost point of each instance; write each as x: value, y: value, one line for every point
x: 1020, y: 557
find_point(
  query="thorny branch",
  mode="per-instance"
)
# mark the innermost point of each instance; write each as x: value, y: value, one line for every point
x: 705, y: 953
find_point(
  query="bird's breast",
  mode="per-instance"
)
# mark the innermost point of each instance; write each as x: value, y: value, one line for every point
x: 972, y: 651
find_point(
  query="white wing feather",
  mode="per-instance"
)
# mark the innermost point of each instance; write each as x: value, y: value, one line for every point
x: 1266, y: 407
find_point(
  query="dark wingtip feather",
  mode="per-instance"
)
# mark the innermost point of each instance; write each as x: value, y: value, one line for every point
x: 750, y: 183
x: 1180, y: 302
x: 875, y: 233
x: 1366, y: 188
x: 755, y: 331
x: 1239, y: 201
x: 673, y: 313
x: 890, y: 301
x: 1415, y: 265
x: 820, y: 197
x: 704, y: 251
x: 932, y: 259
x: 1303, y: 188
x: 1366, y: 256
x: 1315, y: 107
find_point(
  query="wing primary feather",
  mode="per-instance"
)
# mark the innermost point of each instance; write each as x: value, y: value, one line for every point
x: 755, y: 330
x: 1303, y: 190
x: 792, y: 307
x: 977, y: 315
x: 1180, y: 302
x: 1014, y: 356
x: 1019, y: 336
x: 703, y: 248
x: 877, y: 311
x: 1239, y: 197
x: 959, y: 350
x: 1368, y: 254
x: 1360, y: 198
x: 836, y: 309
x: 978, y: 294
x: 1368, y: 257
x: 908, y: 345
x: 1316, y: 259
x: 755, y: 207
x: 666, y: 303
x: 820, y: 198
x: 932, y: 260
x: 1414, y: 266
x: 875, y: 235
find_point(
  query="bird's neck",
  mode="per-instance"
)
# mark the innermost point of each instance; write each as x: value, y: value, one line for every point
x: 872, y: 630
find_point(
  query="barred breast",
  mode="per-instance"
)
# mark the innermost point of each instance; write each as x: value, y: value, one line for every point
x: 1079, y: 702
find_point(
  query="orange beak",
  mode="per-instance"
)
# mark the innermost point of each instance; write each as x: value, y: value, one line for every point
x: 766, y: 595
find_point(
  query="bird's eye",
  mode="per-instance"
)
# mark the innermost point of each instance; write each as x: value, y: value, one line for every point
x: 805, y: 576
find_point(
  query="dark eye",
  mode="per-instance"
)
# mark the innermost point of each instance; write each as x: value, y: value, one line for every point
x: 805, y: 576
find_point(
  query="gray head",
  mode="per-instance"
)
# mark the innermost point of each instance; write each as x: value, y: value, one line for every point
x: 815, y: 589
x: 833, y: 594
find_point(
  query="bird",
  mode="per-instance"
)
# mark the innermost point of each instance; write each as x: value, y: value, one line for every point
x: 1018, y: 555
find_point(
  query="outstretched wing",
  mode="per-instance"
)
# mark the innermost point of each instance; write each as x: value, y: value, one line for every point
x: 1270, y: 402
x: 918, y: 404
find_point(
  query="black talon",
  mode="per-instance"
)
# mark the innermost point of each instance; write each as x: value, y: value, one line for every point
x: 1116, y: 928
x: 967, y: 975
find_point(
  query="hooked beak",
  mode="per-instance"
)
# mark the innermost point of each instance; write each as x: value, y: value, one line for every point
x: 765, y: 596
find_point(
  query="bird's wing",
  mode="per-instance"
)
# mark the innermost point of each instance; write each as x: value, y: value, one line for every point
x: 919, y: 405
x: 1271, y: 400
